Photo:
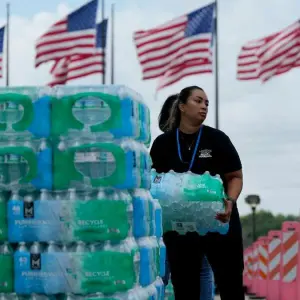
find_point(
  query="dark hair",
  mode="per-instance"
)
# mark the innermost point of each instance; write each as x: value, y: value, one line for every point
x: 165, y: 111
x: 175, y: 114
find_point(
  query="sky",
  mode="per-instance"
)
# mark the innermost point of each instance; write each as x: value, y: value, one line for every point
x: 262, y: 120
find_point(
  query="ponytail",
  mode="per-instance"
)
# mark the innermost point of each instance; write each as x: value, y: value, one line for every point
x: 165, y: 111
x: 174, y: 118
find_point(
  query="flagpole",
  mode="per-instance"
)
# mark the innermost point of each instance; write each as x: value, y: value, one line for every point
x: 7, y: 41
x: 112, y: 49
x: 216, y: 67
x: 103, y: 43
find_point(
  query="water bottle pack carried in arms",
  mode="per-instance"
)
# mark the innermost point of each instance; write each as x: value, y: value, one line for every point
x: 76, y: 215
x: 190, y: 201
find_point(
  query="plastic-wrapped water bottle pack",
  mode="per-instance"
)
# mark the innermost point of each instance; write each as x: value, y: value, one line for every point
x: 77, y: 219
x: 189, y: 201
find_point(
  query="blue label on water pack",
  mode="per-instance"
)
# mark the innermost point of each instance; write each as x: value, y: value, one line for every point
x: 131, y: 178
x: 43, y: 273
x: 41, y: 124
x: 162, y: 260
x: 37, y: 221
x: 158, y: 222
x: 152, y: 218
x: 159, y: 285
x: 145, y: 171
x: 28, y: 274
x: 127, y: 116
x: 43, y: 179
x: 146, y: 261
x: 141, y: 222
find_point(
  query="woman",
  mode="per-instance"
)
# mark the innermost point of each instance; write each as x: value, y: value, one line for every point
x: 206, y: 276
x: 187, y: 145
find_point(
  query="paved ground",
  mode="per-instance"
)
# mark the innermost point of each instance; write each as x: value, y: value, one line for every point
x: 218, y: 298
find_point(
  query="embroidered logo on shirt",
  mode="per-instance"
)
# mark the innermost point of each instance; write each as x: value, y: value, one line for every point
x: 205, y: 153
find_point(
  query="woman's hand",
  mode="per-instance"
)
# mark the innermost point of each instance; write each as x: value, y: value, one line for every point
x: 224, y: 217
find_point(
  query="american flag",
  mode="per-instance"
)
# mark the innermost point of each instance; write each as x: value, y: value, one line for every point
x: 2, y: 31
x: 78, y: 66
x: 177, y: 49
x: 270, y: 56
x: 75, y: 34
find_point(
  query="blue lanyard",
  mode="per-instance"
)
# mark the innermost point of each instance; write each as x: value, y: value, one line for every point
x: 195, y: 149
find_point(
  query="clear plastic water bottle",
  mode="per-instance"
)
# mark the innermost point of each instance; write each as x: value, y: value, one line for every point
x: 141, y: 215
x: 158, y: 219
x: 37, y: 285
x: 15, y: 212
x: 3, y: 171
x: 29, y: 211
x: 14, y: 112
x: 52, y: 247
x: 44, y: 154
x: 45, y: 195
x: 72, y: 196
x: 166, y: 187
x: 152, y: 292
x: 133, y: 294
x: 81, y: 247
x: 52, y: 265
x: 162, y: 258
x: 39, y: 297
x: 126, y: 198
x: 145, y: 167
x: 151, y: 215
x: 36, y: 248
x: 132, y: 152
x: 22, y: 284
x: 160, y: 288
x: 13, y: 163
x: 147, y: 261
x: 95, y: 111
x: 65, y: 248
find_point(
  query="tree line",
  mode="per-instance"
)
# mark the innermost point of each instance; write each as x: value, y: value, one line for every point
x: 265, y: 221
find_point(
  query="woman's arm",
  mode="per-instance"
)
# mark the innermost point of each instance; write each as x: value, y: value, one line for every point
x: 234, y: 184
x: 231, y: 167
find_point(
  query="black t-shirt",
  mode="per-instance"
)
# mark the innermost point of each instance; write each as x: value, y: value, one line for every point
x: 215, y: 154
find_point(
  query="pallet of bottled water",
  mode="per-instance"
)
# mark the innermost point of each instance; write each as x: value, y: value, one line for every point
x: 77, y: 219
x: 189, y: 201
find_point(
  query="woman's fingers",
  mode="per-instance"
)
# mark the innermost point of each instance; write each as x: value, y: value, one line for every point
x: 223, y: 217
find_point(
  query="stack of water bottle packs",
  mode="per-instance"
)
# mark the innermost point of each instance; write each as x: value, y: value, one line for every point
x: 76, y: 215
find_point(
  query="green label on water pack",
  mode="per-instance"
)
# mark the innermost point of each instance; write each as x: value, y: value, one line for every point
x: 100, y: 220
x: 202, y: 188
x: 3, y: 223
x: 107, y: 272
x: 6, y: 273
